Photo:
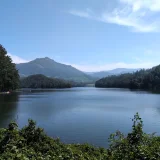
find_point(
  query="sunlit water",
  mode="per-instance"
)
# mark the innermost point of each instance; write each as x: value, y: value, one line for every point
x: 80, y: 115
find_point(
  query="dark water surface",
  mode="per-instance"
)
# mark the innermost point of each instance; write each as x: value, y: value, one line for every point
x: 81, y: 115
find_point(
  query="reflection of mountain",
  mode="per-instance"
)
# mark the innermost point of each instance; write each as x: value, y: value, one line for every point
x: 8, y: 108
x: 47, y: 104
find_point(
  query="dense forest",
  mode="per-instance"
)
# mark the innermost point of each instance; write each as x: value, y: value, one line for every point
x: 144, y: 79
x: 9, y: 77
x: 31, y: 142
x: 41, y: 81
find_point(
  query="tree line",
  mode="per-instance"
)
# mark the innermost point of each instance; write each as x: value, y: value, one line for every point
x: 41, y: 81
x: 144, y: 79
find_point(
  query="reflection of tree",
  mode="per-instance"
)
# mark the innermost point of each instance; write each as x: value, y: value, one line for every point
x: 8, y: 108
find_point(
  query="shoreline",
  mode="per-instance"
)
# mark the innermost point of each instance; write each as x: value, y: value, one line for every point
x: 8, y: 92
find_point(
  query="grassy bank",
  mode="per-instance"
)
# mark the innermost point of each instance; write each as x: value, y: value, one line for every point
x: 31, y: 142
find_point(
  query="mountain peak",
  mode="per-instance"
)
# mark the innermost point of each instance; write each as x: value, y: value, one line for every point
x: 44, y: 59
x: 51, y: 68
x: 47, y: 58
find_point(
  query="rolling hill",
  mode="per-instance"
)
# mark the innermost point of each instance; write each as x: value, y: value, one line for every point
x: 50, y: 68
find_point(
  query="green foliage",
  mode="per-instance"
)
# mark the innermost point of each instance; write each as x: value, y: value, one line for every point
x: 31, y: 143
x: 9, y: 77
x: 41, y: 81
x: 143, y: 79
x: 137, y: 145
x: 114, y: 81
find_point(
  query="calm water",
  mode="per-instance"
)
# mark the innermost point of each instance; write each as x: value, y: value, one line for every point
x: 82, y: 114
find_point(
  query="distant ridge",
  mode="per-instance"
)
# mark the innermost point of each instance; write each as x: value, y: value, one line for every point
x: 116, y: 71
x: 51, y: 68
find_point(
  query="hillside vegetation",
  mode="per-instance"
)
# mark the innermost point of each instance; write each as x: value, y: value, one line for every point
x: 143, y: 79
x: 41, y: 81
x: 9, y: 77
x: 50, y: 68
x: 31, y: 143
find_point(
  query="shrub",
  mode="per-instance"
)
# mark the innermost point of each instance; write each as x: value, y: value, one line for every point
x: 31, y: 142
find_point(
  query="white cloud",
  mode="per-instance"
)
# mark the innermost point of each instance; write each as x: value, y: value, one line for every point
x: 152, y: 5
x: 135, y: 20
x: 17, y: 59
x: 138, y: 15
x: 85, y: 14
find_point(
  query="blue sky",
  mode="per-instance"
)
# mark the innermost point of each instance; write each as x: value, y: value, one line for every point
x: 91, y: 35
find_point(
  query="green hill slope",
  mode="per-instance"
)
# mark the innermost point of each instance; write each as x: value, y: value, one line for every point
x: 50, y: 68
x: 143, y: 79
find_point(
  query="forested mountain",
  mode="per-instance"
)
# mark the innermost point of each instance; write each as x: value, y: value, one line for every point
x: 9, y: 77
x: 143, y: 79
x: 50, y: 68
x: 41, y: 81
x: 116, y: 71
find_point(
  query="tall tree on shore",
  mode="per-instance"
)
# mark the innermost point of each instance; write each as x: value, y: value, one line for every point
x: 9, y: 77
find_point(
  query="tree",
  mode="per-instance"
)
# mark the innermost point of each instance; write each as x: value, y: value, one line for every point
x: 143, y: 79
x: 9, y: 77
x: 41, y: 81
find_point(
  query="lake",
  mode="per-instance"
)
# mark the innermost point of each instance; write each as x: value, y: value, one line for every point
x: 80, y: 115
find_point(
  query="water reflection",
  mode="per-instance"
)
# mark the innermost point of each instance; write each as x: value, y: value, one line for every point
x: 45, y: 106
x: 8, y: 108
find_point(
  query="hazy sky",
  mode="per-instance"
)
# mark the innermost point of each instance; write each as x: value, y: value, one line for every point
x: 91, y: 35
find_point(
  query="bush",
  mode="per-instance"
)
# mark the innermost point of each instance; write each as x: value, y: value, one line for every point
x: 31, y: 142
